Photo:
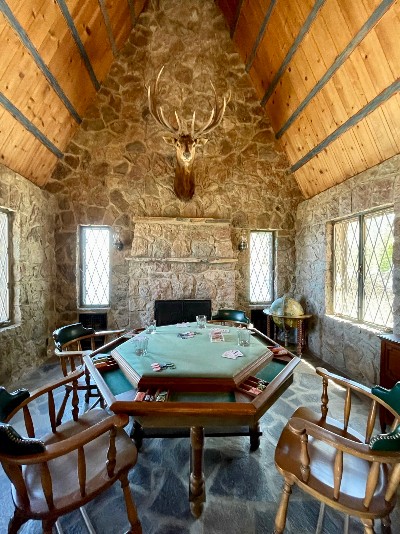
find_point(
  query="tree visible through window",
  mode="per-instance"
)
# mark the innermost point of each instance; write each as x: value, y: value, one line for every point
x: 94, y: 266
x: 261, y: 267
x: 363, y: 267
x: 4, y: 268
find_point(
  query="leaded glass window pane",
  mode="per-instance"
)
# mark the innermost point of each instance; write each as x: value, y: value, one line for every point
x: 4, y: 269
x: 363, y: 267
x: 346, y: 246
x: 95, y: 266
x: 378, y: 270
x: 261, y: 267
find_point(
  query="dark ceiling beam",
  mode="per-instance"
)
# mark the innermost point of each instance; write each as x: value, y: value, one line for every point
x: 341, y: 58
x: 352, y: 121
x: 78, y: 41
x: 237, y: 15
x: 26, y: 123
x: 296, y: 43
x: 132, y: 11
x: 260, y: 35
x: 23, y: 36
x: 107, y: 23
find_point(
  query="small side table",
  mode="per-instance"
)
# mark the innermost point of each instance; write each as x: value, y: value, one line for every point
x: 300, y: 325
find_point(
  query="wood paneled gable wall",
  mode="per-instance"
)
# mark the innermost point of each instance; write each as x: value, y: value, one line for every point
x: 55, y: 54
x: 327, y: 73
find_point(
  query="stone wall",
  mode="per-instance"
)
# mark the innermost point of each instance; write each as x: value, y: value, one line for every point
x: 23, y: 344
x: 350, y: 347
x: 117, y: 167
x: 180, y: 258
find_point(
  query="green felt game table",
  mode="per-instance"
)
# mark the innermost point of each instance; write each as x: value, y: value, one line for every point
x: 203, y: 391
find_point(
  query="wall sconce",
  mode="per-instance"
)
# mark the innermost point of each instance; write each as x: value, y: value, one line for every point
x: 242, y: 243
x: 117, y: 241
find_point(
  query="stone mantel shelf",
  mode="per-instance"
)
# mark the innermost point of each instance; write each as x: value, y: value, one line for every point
x: 182, y: 220
x: 139, y: 259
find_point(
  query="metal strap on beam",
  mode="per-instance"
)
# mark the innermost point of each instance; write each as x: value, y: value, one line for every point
x: 78, y: 41
x: 237, y: 15
x: 108, y: 26
x: 38, y: 59
x: 341, y: 58
x: 260, y: 35
x: 352, y: 121
x: 26, y: 123
x: 132, y: 11
x: 304, y: 29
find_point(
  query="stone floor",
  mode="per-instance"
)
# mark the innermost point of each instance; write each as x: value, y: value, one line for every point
x: 243, y: 488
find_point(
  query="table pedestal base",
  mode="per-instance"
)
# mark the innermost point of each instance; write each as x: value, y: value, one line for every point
x: 197, y: 489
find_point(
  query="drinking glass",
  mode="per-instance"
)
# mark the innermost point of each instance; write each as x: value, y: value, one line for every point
x: 201, y: 321
x: 243, y: 337
x: 141, y: 343
x: 151, y: 327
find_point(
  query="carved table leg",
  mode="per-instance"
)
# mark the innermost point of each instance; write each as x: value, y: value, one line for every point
x: 197, y: 492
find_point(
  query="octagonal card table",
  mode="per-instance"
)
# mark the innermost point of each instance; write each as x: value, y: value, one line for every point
x: 202, y: 390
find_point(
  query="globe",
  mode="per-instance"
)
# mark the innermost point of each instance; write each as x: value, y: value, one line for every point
x: 286, y: 306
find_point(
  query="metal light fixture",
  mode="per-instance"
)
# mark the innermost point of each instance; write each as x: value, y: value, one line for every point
x: 242, y: 243
x: 117, y: 241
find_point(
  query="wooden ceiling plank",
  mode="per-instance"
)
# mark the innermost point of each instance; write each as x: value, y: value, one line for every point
x: 58, y: 50
x: 365, y: 27
x: 247, y: 28
x: 24, y: 38
x: 108, y: 26
x: 28, y: 125
x: 16, y: 154
x: 90, y: 33
x: 260, y: 35
x: 304, y: 29
x: 26, y: 87
x: 381, y: 133
x: 391, y: 109
x: 71, y: 24
x: 122, y: 18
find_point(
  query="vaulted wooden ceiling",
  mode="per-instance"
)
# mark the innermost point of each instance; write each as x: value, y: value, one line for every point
x: 326, y: 72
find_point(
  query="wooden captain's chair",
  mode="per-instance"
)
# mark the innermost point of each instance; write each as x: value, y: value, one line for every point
x: 68, y: 347
x: 68, y: 465
x: 229, y: 316
x: 355, y: 473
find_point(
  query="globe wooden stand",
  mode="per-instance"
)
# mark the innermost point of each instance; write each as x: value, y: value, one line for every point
x: 300, y: 325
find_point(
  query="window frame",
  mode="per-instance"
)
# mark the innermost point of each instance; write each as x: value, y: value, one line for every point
x: 273, y: 267
x: 9, y: 251
x: 81, y: 241
x: 361, y: 270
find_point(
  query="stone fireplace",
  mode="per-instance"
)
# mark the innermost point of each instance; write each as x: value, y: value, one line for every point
x: 180, y: 258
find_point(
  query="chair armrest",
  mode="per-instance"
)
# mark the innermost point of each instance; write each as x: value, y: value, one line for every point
x: 345, y: 382
x: 361, y: 450
x: 55, y: 450
x: 68, y: 353
x: 109, y: 332
x: 46, y: 389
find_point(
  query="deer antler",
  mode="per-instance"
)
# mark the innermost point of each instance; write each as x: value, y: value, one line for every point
x: 157, y: 112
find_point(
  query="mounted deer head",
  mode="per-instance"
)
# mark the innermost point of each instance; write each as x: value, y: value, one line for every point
x: 185, y: 143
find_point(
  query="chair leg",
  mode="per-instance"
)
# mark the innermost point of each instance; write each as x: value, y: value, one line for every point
x: 368, y: 526
x: 136, y: 527
x: 280, y: 520
x: 47, y: 526
x: 16, y: 522
x: 61, y: 411
x: 386, y: 525
x: 320, y: 521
